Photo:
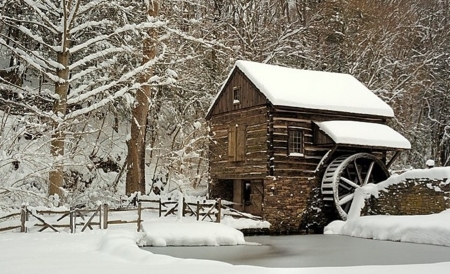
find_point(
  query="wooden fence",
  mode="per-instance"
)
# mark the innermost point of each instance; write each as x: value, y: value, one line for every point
x: 103, y: 216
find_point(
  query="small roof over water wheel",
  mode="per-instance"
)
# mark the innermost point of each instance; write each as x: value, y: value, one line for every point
x: 347, y: 173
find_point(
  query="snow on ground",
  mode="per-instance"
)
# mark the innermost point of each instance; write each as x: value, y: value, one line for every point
x: 190, y: 233
x: 115, y: 251
x: 427, y: 229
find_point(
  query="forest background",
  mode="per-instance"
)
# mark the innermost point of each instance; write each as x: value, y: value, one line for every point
x: 99, y: 99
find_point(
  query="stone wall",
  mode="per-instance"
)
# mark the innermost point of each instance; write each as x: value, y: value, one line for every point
x: 286, y: 200
x: 412, y: 197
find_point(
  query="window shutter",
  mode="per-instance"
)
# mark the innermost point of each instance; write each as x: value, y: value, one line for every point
x: 232, y: 142
x: 240, y: 146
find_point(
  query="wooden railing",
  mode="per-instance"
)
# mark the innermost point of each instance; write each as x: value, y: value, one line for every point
x: 209, y: 210
x: 10, y: 216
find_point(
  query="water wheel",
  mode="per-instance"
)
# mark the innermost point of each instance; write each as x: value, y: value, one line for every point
x: 347, y: 173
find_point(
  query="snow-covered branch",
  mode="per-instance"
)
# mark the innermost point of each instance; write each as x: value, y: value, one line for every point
x: 124, y: 79
x: 18, y: 22
x: 90, y: 24
x: 36, y: 6
x: 39, y: 63
x: 97, y: 55
x: 131, y: 27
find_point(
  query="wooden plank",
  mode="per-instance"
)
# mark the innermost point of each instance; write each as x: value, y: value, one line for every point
x: 10, y: 215
x: 10, y: 228
x: 90, y: 219
x: 232, y: 143
x: 240, y: 142
x: 44, y: 223
x: 116, y: 222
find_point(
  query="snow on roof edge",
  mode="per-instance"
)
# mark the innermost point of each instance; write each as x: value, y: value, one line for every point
x: 213, y: 102
x: 376, y: 106
x: 364, y: 134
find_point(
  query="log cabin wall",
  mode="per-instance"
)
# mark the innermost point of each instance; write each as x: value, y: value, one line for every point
x: 238, y: 131
x: 237, y: 86
x: 304, y: 165
x: 292, y: 187
x: 250, y: 143
x: 252, y: 146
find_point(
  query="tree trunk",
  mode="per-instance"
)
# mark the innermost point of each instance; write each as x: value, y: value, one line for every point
x: 136, y: 145
x: 56, y: 175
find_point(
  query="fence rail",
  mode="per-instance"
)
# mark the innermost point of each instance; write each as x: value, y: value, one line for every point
x: 209, y: 210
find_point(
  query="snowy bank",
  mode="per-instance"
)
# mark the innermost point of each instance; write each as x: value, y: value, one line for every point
x: 426, y: 229
x: 116, y: 252
x: 190, y: 233
x: 436, y: 173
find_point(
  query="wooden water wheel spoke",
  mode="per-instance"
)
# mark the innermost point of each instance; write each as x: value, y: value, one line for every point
x: 350, y: 183
x: 358, y: 172
x: 347, y: 207
x: 369, y: 172
x: 345, y: 199
x: 347, y: 173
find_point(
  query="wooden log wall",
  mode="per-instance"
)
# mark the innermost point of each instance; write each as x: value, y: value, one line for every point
x: 304, y: 166
x: 249, y: 96
x: 254, y: 164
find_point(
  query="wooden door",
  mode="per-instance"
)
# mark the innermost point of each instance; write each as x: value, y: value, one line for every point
x: 256, y: 192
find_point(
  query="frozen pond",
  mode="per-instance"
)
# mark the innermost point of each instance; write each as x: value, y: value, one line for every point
x: 313, y: 251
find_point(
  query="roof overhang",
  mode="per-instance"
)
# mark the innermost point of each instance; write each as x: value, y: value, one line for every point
x: 306, y: 89
x: 363, y: 134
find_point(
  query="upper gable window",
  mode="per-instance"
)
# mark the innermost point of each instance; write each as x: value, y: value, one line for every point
x: 236, y: 95
x: 295, y: 142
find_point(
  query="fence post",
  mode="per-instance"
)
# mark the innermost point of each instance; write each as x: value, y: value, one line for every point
x: 23, y: 219
x: 197, y: 212
x: 139, y: 217
x: 99, y: 209
x: 72, y: 220
x: 160, y: 207
x: 219, y: 210
x: 184, y: 208
x: 105, y: 216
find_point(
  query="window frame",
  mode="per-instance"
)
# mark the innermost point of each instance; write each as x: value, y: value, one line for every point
x: 236, y: 95
x: 296, y: 147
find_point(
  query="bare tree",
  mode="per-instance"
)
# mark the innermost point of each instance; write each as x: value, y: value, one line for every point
x: 136, y: 145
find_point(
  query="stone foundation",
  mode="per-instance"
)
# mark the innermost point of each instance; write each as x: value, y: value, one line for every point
x: 286, y: 200
x: 412, y: 197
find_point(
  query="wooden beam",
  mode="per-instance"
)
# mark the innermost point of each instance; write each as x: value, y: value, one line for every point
x: 325, y: 158
x: 397, y: 153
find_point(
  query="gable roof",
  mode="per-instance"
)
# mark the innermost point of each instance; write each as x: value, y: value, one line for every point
x: 308, y: 89
x: 364, y: 134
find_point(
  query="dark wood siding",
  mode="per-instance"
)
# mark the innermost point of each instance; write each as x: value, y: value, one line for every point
x: 304, y: 166
x: 249, y: 96
x: 255, y: 156
x: 250, y: 138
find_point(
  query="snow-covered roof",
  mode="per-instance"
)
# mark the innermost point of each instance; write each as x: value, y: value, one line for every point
x: 314, y: 89
x: 364, y: 134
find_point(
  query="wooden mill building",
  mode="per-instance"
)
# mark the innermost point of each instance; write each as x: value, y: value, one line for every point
x: 286, y: 140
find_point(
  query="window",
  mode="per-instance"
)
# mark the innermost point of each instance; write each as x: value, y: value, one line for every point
x: 247, y: 193
x: 295, y: 142
x: 236, y: 95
